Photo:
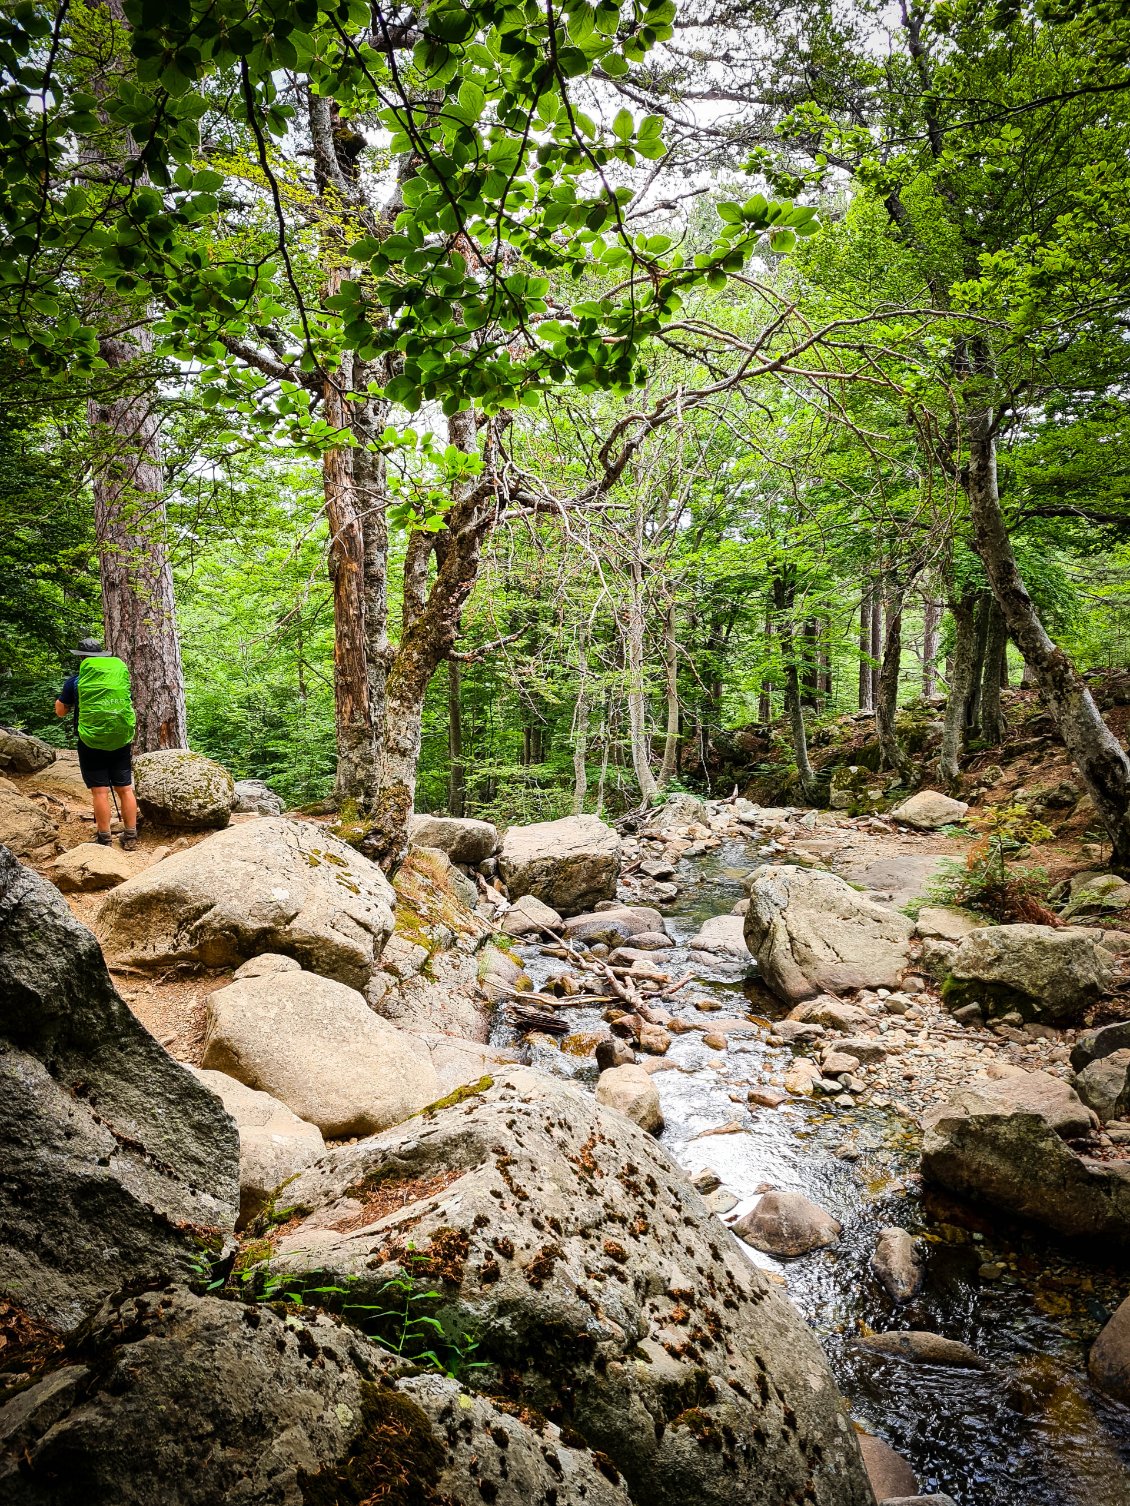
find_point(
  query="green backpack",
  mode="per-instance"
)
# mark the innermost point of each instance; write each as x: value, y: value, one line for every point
x: 105, y: 711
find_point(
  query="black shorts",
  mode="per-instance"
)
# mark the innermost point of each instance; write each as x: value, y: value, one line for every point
x: 100, y: 768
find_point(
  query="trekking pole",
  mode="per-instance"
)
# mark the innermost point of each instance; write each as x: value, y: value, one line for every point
x: 114, y: 798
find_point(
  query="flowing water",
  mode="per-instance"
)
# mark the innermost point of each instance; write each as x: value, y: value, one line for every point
x: 1029, y: 1430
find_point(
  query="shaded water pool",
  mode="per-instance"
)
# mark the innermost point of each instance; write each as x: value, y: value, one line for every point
x: 1028, y: 1429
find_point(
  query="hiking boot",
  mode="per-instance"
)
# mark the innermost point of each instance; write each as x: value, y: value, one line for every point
x: 129, y: 841
x: 103, y: 838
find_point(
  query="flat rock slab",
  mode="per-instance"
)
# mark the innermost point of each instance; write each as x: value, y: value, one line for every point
x: 576, y: 1250
x: 113, y: 1154
x: 315, y: 1045
x: 904, y: 876
x: 90, y: 866
x: 569, y: 864
x: 271, y: 885
x: 812, y: 933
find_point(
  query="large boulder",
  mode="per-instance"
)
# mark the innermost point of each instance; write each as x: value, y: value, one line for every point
x: 1109, y: 1360
x: 1104, y: 1085
x: 179, y: 788
x: 262, y: 886
x: 1002, y: 1142
x: 113, y: 1155
x: 930, y: 809
x: 722, y: 936
x: 91, y: 866
x: 812, y: 933
x: 1051, y: 975
x: 194, y: 1401
x: 23, y: 826
x: 1096, y: 1044
x: 464, y: 840
x: 570, y: 864
x: 274, y: 1144
x: 630, y: 1091
x: 254, y: 798
x: 788, y: 1224
x: 601, y: 1291
x: 898, y: 1263
x: 20, y: 753
x: 316, y: 1045
x: 678, y: 810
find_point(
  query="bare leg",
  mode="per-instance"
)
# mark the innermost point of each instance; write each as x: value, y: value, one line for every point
x: 101, y: 800
x: 127, y: 801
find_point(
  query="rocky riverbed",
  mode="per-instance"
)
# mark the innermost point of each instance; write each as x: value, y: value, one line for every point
x: 752, y: 1101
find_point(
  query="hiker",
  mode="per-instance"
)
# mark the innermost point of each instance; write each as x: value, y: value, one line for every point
x: 99, y: 695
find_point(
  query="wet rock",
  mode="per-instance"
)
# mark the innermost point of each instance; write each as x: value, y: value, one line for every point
x: 269, y: 1411
x: 630, y: 1091
x: 811, y: 933
x: 722, y: 936
x: 768, y: 1098
x: 925, y: 1349
x: 613, y: 1052
x: 919, y: 1501
x: 714, y: 1041
x: 898, y: 1263
x: 179, y: 788
x: 930, y: 809
x: 316, y: 1045
x: 616, y: 924
x: 20, y: 753
x: 1096, y: 1044
x: 112, y: 1153
x: 90, y: 866
x: 1001, y: 1142
x: 574, y: 1248
x: 255, y: 798
x: 527, y: 916
x: 23, y: 826
x: 787, y: 1224
x: 706, y: 1180
x: 890, y: 1475
x: 462, y: 839
x: 569, y: 864
x: 1049, y: 975
x: 654, y: 1039
x: 802, y: 1077
x: 1109, y: 1360
x: 274, y: 1144
x: 1105, y: 1085
x: 266, y: 886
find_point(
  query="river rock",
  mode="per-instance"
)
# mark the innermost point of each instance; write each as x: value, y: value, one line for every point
x: 20, y: 753
x: 722, y: 936
x: 1109, y: 1360
x: 179, y: 788
x: 194, y: 1401
x: 1050, y: 975
x: 631, y: 1091
x: 930, y: 809
x: 613, y: 925
x: 570, y: 864
x: 889, y: 1473
x: 464, y: 840
x: 788, y: 1223
x: 577, y: 1253
x: 113, y: 1154
x: 830, y: 1014
x: 1096, y: 1044
x: 316, y: 1045
x: 1001, y: 1142
x: 529, y: 917
x: 254, y: 798
x: 274, y: 1144
x: 812, y: 933
x: 1105, y: 1085
x: 924, y: 1348
x: 90, y: 866
x: 264, y: 886
x: 677, y: 810
x: 898, y: 1264
x: 23, y: 826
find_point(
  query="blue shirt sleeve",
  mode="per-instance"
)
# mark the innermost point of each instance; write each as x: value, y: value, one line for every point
x: 69, y: 693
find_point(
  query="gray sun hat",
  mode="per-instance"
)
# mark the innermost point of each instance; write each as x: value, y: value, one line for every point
x: 88, y: 648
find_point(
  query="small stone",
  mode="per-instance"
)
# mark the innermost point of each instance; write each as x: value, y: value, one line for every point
x: 654, y: 1039
x: 722, y: 1200
x: 715, y: 1041
x: 837, y: 1063
x: 788, y: 1224
x: 706, y: 1180
x: 768, y: 1098
x: 991, y: 1271
x: 969, y: 1015
x: 897, y: 1262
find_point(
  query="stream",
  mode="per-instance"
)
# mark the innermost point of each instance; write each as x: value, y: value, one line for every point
x: 1029, y: 1430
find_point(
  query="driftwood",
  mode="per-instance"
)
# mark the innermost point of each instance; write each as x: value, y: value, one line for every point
x: 524, y: 1017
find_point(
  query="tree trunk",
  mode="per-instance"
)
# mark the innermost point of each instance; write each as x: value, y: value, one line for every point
x: 764, y: 701
x: 931, y: 625
x: 866, y: 609
x: 637, y: 695
x: 959, y: 677
x: 810, y: 681
x: 876, y: 642
x: 1100, y: 758
x: 891, y: 751
x: 581, y: 733
x: 131, y: 533
x: 456, y: 789
x: 783, y: 598
x: 992, y: 713
x: 977, y: 674
x: 671, y: 658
